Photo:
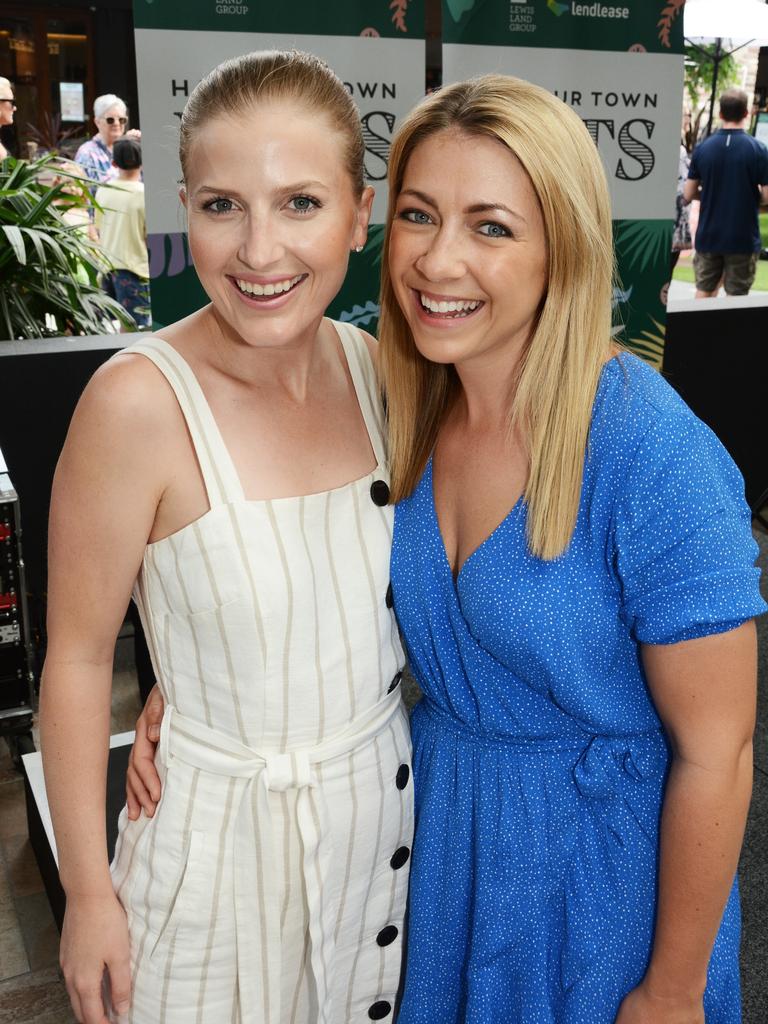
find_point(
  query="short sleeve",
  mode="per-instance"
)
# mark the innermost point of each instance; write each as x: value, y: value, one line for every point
x: 83, y: 157
x: 682, y: 542
x: 693, y: 166
x: 763, y: 164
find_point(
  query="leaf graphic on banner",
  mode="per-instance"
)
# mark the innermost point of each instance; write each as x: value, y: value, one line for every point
x: 642, y: 243
x: 360, y: 315
x: 399, y: 8
x: 669, y: 12
x: 650, y: 346
x: 459, y: 8
x: 556, y: 7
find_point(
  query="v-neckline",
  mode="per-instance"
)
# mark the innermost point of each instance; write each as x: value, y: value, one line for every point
x: 456, y: 577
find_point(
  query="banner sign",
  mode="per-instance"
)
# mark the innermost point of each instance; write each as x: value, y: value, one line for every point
x: 619, y: 65
x: 375, y: 46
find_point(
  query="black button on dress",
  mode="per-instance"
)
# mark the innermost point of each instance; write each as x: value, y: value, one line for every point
x: 399, y: 858
x: 387, y: 935
x: 380, y: 1010
x: 395, y: 682
x: 403, y: 774
x: 379, y: 492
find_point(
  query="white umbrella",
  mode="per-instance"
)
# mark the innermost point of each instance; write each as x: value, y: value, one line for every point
x: 740, y: 21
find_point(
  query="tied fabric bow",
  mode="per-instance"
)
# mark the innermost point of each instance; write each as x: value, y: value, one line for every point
x: 256, y: 889
x: 608, y: 767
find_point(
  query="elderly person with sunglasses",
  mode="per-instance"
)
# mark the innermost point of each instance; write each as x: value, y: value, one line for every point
x: 7, y: 108
x: 110, y: 115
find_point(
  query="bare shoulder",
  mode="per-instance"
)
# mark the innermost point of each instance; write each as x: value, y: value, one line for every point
x: 127, y: 391
x: 126, y: 423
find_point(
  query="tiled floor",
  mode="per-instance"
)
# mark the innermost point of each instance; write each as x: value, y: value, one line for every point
x: 31, y: 991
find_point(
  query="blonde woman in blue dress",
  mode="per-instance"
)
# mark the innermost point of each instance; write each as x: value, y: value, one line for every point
x: 230, y: 472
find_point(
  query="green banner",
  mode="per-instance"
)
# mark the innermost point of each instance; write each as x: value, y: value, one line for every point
x: 640, y: 25
x: 375, y: 18
x: 375, y: 46
x: 620, y: 67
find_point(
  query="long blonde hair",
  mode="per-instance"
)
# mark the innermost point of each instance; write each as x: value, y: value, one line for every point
x: 559, y: 372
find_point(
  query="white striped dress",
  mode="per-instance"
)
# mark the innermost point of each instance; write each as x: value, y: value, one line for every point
x: 270, y: 886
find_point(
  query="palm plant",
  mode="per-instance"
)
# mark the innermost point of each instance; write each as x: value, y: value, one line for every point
x: 53, y: 137
x: 49, y: 268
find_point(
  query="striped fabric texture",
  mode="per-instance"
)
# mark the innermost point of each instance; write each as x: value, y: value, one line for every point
x: 270, y: 886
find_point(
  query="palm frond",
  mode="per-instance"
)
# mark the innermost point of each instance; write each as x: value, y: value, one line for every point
x: 641, y: 243
x: 650, y: 345
x: 50, y: 268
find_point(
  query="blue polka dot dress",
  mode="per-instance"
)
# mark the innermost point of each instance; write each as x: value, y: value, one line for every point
x: 539, y: 762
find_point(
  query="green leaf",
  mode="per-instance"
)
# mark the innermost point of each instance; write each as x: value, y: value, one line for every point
x: 49, y: 267
x: 15, y: 237
x: 44, y: 202
x: 7, y: 324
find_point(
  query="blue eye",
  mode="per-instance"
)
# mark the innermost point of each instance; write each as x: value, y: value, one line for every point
x: 303, y: 204
x: 493, y: 230
x: 416, y: 216
x: 220, y: 205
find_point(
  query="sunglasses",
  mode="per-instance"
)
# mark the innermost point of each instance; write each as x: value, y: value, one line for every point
x: 120, y: 120
x: 6, y: 99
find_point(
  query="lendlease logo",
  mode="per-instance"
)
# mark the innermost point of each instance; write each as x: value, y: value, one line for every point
x: 599, y: 11
x: 593, y: 10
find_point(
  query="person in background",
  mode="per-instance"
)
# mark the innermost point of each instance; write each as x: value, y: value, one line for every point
x: 729, y: 173
x: 681, y: 234
x: 121, y: 226
x: 7, y: 108
x: 110, y: 115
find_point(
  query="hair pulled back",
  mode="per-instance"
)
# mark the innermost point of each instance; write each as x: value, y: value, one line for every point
x: 240, y: 83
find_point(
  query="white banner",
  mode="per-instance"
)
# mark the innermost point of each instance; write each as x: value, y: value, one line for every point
x: 623, y: 98
x: 384, y: 76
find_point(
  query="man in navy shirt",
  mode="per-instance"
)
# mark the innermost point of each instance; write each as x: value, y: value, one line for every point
x: 729, y: 173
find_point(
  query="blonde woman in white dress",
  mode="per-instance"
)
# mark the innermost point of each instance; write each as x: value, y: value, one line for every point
x: 230, y: 473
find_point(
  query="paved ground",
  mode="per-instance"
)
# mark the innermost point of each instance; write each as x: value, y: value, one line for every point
x: 686, y: 290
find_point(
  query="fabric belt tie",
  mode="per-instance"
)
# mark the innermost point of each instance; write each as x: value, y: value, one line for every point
x: 257, y: 911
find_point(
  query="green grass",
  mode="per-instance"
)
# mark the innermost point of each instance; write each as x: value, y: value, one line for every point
x: 684, y: 272
x: 764, y: 228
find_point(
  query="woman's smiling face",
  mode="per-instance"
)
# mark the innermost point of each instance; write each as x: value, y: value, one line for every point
x: 272, y: 218
x: 467, y: 249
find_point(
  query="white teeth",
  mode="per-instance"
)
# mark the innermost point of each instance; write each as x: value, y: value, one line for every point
x: 251, y: 288
x: 462, y: 306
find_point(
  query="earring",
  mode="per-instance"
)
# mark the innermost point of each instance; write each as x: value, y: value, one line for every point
x: 358, y: 248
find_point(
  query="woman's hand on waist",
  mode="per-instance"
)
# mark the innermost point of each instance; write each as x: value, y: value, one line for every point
x: 94, y: 939
x: 142, y: 783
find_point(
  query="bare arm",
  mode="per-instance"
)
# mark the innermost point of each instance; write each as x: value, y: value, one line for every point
x: 690, y: 190
x: 764, y: 193
x: 705, y: 692
x: 102, y: 509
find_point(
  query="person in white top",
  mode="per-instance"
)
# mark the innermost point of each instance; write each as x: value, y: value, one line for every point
x: 230, y: 472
